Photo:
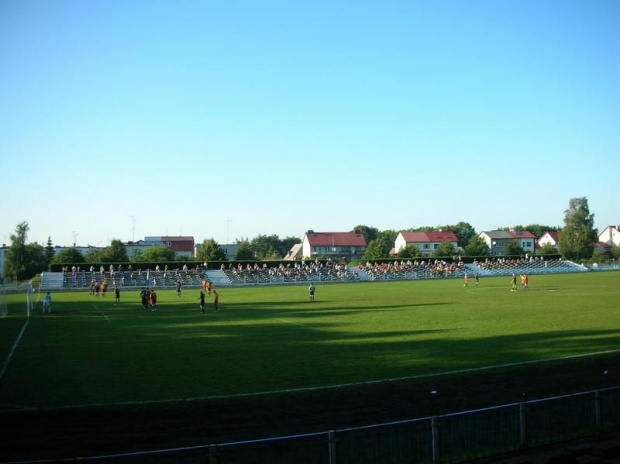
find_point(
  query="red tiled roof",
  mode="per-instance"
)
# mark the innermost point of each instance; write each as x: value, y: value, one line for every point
x: 429, y: 237
x: 316, y: 239
x: 554, y: 235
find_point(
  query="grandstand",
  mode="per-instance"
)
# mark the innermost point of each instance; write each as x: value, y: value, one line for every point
x: 299, y: 272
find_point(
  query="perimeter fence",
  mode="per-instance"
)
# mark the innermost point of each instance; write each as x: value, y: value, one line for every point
x: 444, y: 439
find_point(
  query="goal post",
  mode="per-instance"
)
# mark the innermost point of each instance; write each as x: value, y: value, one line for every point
x: 29, y: 298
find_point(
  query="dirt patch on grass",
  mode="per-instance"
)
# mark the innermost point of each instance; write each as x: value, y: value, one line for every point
x: 89, y: 432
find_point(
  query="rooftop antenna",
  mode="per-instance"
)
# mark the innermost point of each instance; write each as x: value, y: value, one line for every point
x: 74, y: 238
x: 133, y: 228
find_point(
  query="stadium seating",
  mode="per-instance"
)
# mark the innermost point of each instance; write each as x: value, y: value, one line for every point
x: 301, y: 272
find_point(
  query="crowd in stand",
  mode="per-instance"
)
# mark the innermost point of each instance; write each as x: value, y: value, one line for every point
x: 412, y: 269
x: 298, y: 271
x: 76, y: 277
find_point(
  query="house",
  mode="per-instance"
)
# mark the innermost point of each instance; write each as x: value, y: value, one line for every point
x: 549, y: 238
x: 295, y: 252
x: 181, y: 245
x: 526, y: 240
x: 602, y: 248
x: 496, y: 240
x: 427, y: 242
x: 610, y: 236
x: 334, y: 245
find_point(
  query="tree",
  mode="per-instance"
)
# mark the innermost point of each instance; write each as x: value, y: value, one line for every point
x: 24, y: 260
x: 374, y: 250
x: 476, y: 247
x: 464, y: 231
x: 369, y: 233
x: 244, y: 251
x: 157, y: 254
x: 578, y: 235
x: 115, y: 253
x: 287, y: 243
x: 49, y: 250
x: 266, y: 247
x: 93, y: 255
x: 136, y: 257
x: 409, y: 252
x: 513, y: 248
x: 547, y: 249
x: 210, y: 251
x: 444, y: 249
x: 69, y: 255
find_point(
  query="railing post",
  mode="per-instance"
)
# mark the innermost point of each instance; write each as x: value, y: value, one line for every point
x: 212, y: 454
x: 435, y: 439
x: 331, y: 440
x: 597, y: 412
x: 523, y: 424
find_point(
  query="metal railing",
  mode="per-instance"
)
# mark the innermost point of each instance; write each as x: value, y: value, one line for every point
x: 445, y: 439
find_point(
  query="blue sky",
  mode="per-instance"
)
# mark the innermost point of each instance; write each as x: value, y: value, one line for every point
x: 224, y: 120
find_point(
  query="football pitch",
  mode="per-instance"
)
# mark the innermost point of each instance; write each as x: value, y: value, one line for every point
x: 265, y: 340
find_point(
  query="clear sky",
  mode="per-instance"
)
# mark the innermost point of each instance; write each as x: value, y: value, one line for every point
x: 229, y: 119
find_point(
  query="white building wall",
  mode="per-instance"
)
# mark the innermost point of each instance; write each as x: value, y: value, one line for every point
x: 399, y: 243
x: 610, y: 235
x: 546, y: 239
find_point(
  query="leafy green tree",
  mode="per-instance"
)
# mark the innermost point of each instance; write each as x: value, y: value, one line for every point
x: 69, y: 255
x: 444, y: 249
x: 24, y: 260
x: 36, y: 259
x: 547, y: 249
x: 464, y: 232
x: 115, y: 253
x: 287, y: 243
x: 387, y: 238
x: 578, y: 235
x: 210, y: 250
x: 476, y: 247
x: 16, y: 263
x: 136, y: 257
x: 375, y: 250
x: 266, y: 247
x: 409, y: 252
x: 513, y: 248
x: 244, y: 251
x: 157, y: 254
x: 369, y: 233
x: 94, y: 255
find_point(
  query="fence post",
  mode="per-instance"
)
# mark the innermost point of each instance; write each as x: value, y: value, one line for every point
x: 597, y: 412
x: 331, y: 441
x: 435, y: 438
x: 523, y: 424
x: 212, y: 454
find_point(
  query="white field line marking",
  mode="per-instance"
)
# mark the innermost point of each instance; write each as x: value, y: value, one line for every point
x: 10, y: 355
x: 319, y: 388
x: 102, y: 313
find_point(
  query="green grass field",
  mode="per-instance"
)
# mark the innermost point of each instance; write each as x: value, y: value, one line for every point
x: 269, y: 339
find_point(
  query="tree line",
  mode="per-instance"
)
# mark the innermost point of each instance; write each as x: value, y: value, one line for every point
x: 576, y: 239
